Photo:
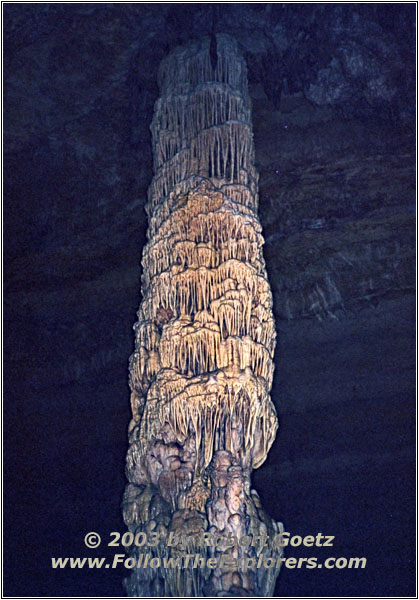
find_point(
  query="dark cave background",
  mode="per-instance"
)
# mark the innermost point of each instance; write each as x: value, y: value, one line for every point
x: 333, y: 92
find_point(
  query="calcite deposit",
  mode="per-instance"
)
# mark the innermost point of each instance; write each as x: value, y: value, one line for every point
x: 202, y: 368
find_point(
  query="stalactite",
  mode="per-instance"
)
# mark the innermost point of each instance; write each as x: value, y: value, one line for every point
x: 202, y: 368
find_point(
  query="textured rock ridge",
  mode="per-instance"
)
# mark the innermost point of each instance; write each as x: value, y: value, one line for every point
x: 204, y: 340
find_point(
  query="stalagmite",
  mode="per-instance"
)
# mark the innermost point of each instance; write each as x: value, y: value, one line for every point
x: 202, y: 368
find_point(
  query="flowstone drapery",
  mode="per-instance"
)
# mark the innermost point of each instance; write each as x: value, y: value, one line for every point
x: 203, y: 363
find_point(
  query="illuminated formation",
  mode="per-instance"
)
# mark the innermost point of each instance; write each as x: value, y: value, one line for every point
x: 203, y: 363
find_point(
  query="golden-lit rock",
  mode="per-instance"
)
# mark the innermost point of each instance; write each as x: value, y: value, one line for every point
x: 202, y: 368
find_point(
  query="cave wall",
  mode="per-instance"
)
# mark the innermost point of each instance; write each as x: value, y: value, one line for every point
x: 333, y: 94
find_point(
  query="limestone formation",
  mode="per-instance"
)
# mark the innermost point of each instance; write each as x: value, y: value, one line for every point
x: 202, y: 369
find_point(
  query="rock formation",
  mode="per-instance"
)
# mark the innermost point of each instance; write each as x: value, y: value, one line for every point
x: 202, y: 369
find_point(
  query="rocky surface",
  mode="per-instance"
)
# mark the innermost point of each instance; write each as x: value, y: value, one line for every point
x: 202, y: 368
x: 332, y: 88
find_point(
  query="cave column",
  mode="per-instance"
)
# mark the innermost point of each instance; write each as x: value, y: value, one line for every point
x: 201, y: 372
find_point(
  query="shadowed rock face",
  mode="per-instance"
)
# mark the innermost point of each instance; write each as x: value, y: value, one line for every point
x: 333, y: 105
x: 203, y: 363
